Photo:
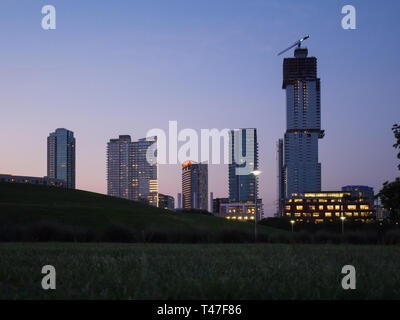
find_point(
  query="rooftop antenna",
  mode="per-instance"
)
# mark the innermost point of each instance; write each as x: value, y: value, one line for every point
x: 297, y: 43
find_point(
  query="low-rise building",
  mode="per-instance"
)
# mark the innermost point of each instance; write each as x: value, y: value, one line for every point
x: 328, y: 206
x: 166, y: 202
x: 32, y: 180
x: 364, y: 192
x: 241, y: 211
x: 217, y: 204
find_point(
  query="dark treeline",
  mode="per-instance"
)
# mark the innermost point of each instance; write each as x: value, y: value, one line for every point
x: 328, y: 234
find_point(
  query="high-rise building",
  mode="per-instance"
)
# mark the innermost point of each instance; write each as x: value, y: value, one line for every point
x: 302, y: 171
x: 243, y: 148
x: 179, y: 201
x: 61, y: 156
x: 130, y: 173
x: 195, y: 185
x: 280, y: 177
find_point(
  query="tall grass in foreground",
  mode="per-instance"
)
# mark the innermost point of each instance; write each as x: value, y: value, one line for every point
x: 202, y: 271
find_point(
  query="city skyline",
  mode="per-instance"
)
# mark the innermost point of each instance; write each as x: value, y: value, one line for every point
x: 220, y: 67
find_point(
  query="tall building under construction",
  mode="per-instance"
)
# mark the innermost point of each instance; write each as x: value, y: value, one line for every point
x: 299, y: 169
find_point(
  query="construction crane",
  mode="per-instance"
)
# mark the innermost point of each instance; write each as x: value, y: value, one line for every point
x: 297, y: 43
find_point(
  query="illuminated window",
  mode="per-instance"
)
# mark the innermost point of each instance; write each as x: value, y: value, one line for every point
x: 364, y: 207
x: 321, y: 207
x: 328, y: 214
x: 349, y: 214
x: 337, y: 214
x: 297, y: 214
x: 315, y: 214
x: 330, y: 207
x: 298, y: 200
x: 299, y: 207
x: 287, y: 207
x: 337, y: 207
x: 352, y: 207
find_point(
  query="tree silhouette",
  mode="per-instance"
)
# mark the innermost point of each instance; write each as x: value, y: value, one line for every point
x: 396, y: 132
x: 390, y: 193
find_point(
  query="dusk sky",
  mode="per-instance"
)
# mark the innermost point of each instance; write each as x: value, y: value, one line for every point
x: 125, y: 67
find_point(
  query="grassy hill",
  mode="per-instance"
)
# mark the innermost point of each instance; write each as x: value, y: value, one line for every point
x: 24, y: 205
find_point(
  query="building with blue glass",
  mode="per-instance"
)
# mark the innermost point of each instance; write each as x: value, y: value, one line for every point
x: 61, y: 156
x: 195, y: 185
x: 243, y: 149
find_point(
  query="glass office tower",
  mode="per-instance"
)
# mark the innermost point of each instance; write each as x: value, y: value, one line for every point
x: 61, y: 156
x: 244, y: 159
x: 195, y: 185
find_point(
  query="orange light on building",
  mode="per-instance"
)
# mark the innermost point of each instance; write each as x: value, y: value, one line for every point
x: 186, y: 163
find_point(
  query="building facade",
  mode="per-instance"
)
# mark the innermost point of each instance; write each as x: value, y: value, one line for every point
x: 217, y: 204
x: 243, y: 152
x: 364, y: 192
x: 46, y: 181
x: 166, y: 202
x: 179, y: 196
x: 241, y: 211
x: 281, y: 194
x: 131, y: 174
x: 328, y: 206
x: 195, y: 185
x: 61, y: 156
x: 302, y: 170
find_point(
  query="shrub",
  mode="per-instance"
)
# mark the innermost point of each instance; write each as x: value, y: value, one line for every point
x: 228, y: 235
x: 11, y: 233
x: 326, y: 237
x: 118, y: 233
x: 360, y: 237
x: 303, y: 237
x: 392, y: 237
x: 48, y: 231
x: 277, y: 237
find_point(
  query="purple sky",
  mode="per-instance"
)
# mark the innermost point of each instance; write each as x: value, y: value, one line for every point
x: 126, y: 67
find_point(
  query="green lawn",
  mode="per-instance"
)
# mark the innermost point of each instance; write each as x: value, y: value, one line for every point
x: 198, y: 271
x: 24, y: 204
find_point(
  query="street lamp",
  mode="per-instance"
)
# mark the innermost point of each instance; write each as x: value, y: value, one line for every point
x: 256, y: 173
x: 292, y: 223
x: 342, y: 218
